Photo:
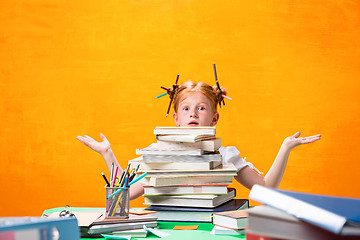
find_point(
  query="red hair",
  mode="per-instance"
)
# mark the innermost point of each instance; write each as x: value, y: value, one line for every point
x: 214, y: 94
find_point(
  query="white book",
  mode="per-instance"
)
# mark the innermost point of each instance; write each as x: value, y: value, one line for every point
x: 182, y: 158
x: 185, y: 130
x: 154, y: 149
x: 132, y: 233
x: 173, y: 165
x: 211, y: 145
x: 171, y: 180
x: 105, y: 228
x: 205, y: 189
x: 184, y: 138
x: 207, y: 201
x: 230, y: 169
x: 226, y: 231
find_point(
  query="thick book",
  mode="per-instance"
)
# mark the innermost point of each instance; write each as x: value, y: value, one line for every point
x: 194, y: 214
x: 194, y: 189
x: 339, y: 215
x: 185, y: 130
x: 235, y: 220
x: 171, y: 180
x: 185, y: 138
x: 220, y: 170
x: 273, y: 223
x: 211, y: 145
x: 105, y: 225
x: 144, y: 167
x: 208, y: 201
x: 182, y: 158
x: 132, y: 233
x: 154, y: 149
x: 106, y: 228
x: 132, y: 218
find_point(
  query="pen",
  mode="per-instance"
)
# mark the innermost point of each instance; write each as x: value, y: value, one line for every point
x: 111, y: 173
x: 122, y: 178
x: 217, y: 84
x: 177, y: 78
x: 138, y: 178
x: 113, y: 182
x: 226, y: 97
x: 161, y: 95
x: 107, y: 182
x: 124, y: 175
x: 131, y: 183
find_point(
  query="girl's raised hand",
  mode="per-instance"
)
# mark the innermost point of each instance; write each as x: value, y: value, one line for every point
x: 296, y: 140
x: 100, y: 147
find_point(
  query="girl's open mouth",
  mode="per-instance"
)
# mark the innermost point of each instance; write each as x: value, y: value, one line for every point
x: 193, y: 124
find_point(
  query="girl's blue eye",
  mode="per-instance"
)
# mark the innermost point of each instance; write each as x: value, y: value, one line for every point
x: 186, y: 108
x: 201, y: 108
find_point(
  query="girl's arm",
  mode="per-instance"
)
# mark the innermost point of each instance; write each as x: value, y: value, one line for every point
x: 137, y: 189
x: 248, y: 177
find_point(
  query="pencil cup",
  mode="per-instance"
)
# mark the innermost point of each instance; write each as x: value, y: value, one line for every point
x: 117, y: 205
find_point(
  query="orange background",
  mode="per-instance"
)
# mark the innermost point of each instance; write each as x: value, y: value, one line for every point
x: 70, y: 68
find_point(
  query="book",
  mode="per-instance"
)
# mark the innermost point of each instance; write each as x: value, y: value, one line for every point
x: 106, y: 225
x: 132, y: 233
x: 211, y: 145
x: 219, y: 170
x: 190, y: 189
x: 235, y: 220
x: 339, y: 215
x: 226, y: 231
x: 154, y: 149
x: 182, y: 158
x: 171, y: 180
x: 106, y: 228
x: 144, y: 167
x: 194, y: 138
x: 185, y: 130
x: 208, y: 201
x: 195, y: 214
x: 273, y: 223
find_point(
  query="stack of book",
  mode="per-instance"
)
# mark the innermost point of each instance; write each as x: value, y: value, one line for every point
x: 185, y: 171
x: 92, y: 223
x: 297, y: 215
x: 132, y: 226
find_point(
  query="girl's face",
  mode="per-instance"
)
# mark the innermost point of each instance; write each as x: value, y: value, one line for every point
x: 195, y: 111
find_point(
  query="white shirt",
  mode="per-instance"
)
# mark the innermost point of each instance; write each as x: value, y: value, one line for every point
x: 230, y: 155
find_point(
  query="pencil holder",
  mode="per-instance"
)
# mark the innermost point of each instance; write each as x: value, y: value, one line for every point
x: 117, y: 202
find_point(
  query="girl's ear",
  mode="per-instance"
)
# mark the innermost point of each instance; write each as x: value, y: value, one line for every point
x: 176, y: 119
x: 215, y: 119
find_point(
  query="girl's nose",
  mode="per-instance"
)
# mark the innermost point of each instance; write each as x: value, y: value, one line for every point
x: 193, y: 113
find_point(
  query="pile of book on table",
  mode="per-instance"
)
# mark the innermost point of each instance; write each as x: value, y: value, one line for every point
x: 186, y: 180
x: 92, y: 223
x: 296, y: 215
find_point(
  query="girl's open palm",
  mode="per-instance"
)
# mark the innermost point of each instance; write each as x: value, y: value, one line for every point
x: 296, y: 140
x: 100, y: 147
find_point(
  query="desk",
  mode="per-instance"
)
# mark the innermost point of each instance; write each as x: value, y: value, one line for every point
x: 202, y: 233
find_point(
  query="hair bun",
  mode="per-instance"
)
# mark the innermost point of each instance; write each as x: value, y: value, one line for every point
x: 219, y: 94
